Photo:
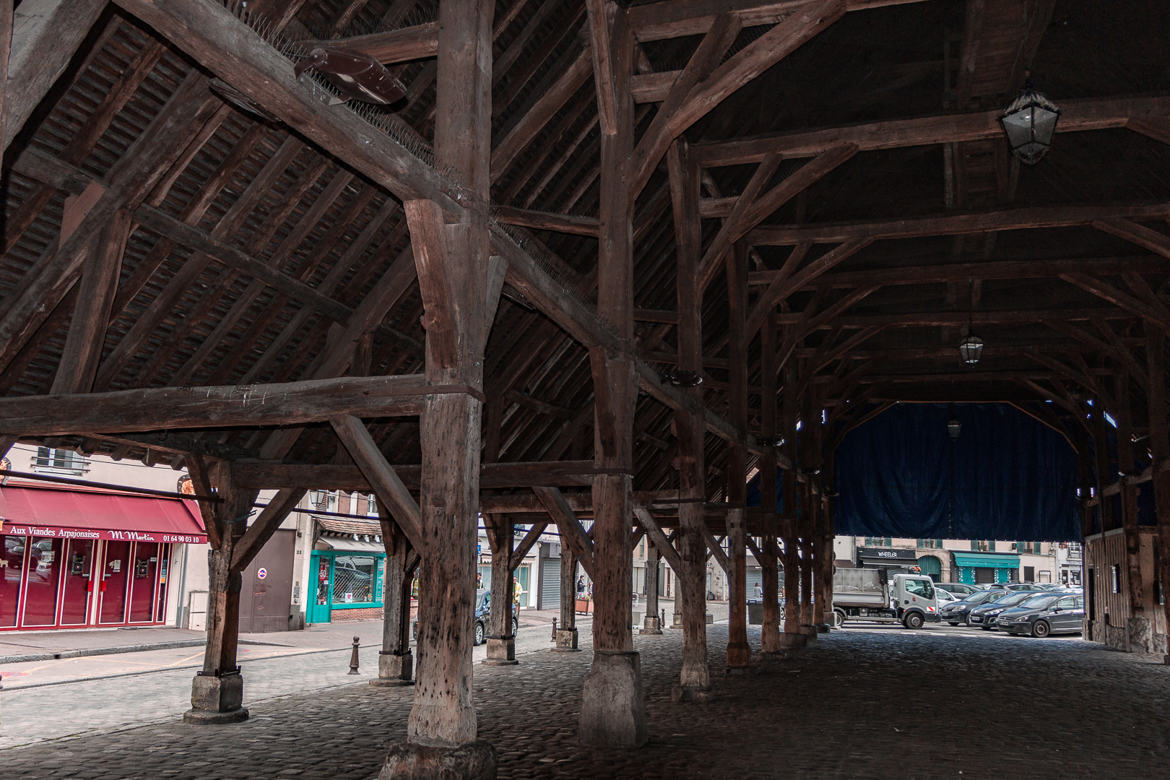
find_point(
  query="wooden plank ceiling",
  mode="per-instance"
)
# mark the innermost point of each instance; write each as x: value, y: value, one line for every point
x: 159, y: 236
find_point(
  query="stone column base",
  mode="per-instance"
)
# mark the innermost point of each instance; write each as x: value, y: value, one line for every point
x: 739, y: 656
x: 676, y: 621
x: 566, y: 640
x: 823, y: 628
x: 501, y: 651
x: 809, y: 631
x: 613, y: 709
x: 217, y: 699
x: 394, y: 669
x: 475, y: 761
x: 792, y: 641
x: 651, y: 625
x: 689, y: 693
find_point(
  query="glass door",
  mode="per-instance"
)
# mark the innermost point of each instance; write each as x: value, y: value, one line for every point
x: 78, y: 587
x: 144, y: 582
x: 320, y: 609
x: 115, y: 578
x: 44, y: 582
x: 12, y: 567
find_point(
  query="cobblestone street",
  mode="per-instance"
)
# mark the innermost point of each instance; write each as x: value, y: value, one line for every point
x: 857, y: 703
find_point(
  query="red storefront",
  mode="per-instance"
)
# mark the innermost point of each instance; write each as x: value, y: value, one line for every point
x: 76, y: 558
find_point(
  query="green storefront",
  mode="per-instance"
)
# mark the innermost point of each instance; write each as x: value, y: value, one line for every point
x: 986, y: 568
x: 346, y: 576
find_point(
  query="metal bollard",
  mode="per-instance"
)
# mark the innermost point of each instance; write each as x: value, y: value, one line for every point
x: 662, y: 618
x: 554, y: 631
x: 353, y: 657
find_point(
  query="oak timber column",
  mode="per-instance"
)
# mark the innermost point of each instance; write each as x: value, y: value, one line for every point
x: 613, y: 710
x: 739, y: 654
x: 1139, y: 628
x: 566, y: 636
x: 453, y: 272
x: 695, y: 677
x: 395, y: 660
x: 217, y: 693
x: 770, y: 630
x: 652, y: 623
x: 1160, y: 446
x: 501, y: 642
x: 808, y: 561
x: 792, y: 637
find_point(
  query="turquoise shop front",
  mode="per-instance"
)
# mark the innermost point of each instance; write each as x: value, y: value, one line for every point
x: 347, y: 574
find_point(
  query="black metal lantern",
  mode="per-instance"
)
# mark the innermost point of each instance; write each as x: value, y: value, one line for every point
x: 971, y: 349
x: 954, y: 428
x: 1030, y: 123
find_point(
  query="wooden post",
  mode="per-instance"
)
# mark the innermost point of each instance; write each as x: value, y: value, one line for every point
x: 395, y: 660
x: 566, y: 636
x: 695, y: 677
x: 739, y: 654
x: 501, y: 642
x: 613, y: 710
x: 217, y: 693
x: 792, y: 637
x: 1140, y: 627
x: 1160, y: 446
x: 652, y: 622
x: 770, y: 630
x: 452, y: 261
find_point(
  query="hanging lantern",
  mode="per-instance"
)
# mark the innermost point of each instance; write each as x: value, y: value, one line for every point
x: 954, y: 428
x: 971, y: 349
x: 1030, y: 123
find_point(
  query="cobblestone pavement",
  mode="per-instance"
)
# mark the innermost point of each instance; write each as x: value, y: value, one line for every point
x: 864, y: 702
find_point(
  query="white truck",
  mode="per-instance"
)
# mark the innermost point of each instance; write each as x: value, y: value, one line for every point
x: 875, y: 594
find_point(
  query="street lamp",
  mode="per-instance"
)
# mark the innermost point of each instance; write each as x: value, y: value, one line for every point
x: 954, y: 428
x: 1030, y: 123
x: 971, y: 349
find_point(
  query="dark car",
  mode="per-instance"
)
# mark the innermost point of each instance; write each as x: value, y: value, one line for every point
x: 959, y: 611
x: 961, y: 590
x: 483, y: 616
x: 1049, y: 613
x: 985, y: 616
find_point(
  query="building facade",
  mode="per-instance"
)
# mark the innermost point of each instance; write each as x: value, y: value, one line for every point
x: 977, y: 562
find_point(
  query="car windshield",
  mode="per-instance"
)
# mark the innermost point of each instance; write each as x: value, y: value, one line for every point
x: 977, y: 598
x: 1039, y: 602
x: 1015, y: 598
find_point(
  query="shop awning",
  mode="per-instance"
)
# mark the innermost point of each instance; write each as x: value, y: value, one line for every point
x: 29, y: 510
x: 342, y: 544
x: 987, y: 561
x: 886, y: 556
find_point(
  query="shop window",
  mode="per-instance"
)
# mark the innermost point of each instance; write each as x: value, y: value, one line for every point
x: 930, y: 544
x: 56, y: 460
x: 982, y: 545
x: 1029, y: 574
x: 353, y: 579
x: 879, y: 541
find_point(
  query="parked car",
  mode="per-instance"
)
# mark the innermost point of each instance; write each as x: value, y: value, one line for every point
x: 944, y: 596
x: 957, y: 612
x: 985, y: 616
x: 1050, y: 613
x: 961, y: 590
x: 483, y: 616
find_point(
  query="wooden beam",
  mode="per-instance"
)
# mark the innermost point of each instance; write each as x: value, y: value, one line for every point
x: 1075, y: 116
x: 212, y: 36
x: 782, y: 287
x: 1028, y: 218
x: 526, y: 543
x: 1151, y: 311
x: 387, y: 486
x: 672, y: 19
x: 603, y: 16
x: 403, y: 45
x: 657, y: 536
x: 273, y: 474
x: 730, y: 232
x: 45, y: 36
x: 1147, y: 238
x: 572, y: 532
x: 95, y: 299
x: 545, y: 220
x: 716, y: 549
x: 544, y: 109
x: 292, y: 403
x: 265, y: 525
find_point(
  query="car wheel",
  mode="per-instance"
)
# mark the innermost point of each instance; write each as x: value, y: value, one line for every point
x: 913, y: 620
x: 838, y: 618
x: 967, y: 621
x: 953, y: 622
x: 1041, y: 628
x: 478, y: 633
x: 985, y: 627
x: 515, y: 625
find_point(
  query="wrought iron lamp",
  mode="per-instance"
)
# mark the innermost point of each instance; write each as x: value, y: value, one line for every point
x: 1030, y: 123
x: 954, y: 428
x: 971, y: 347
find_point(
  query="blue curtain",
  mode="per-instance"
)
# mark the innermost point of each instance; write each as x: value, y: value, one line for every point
x: 1005, y: 477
